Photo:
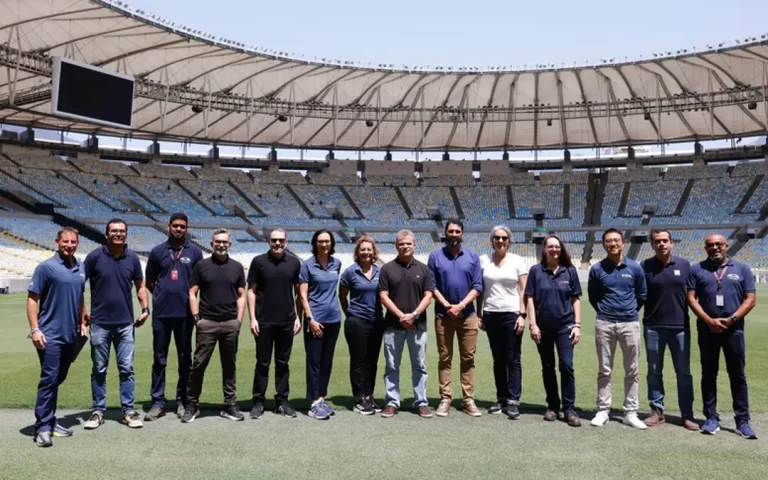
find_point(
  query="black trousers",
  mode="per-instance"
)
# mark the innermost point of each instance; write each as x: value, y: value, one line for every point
x: 163, y: 329
x: 277, y: 337
x: 364, y: 339
x: 320, y: 359
x: 209, y: 332
x: 731, y: 342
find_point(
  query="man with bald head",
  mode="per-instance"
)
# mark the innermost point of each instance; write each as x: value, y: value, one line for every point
x: 721, y: 292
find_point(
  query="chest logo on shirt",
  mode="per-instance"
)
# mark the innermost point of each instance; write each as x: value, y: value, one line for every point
x: 185, y: 260
x: 82, y: 275
x: 733, y: 276
x: 677, y: 273
x: 626, y: 275
x: 564, y: 282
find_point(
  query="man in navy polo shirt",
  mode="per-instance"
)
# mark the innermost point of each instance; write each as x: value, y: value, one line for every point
x: 721, y: 292
x: 666, y: 323
x: 458, y: 281
x: 112, y: 271
x: 57, y: 284
x: 617, y: 290
x: 169, y: 268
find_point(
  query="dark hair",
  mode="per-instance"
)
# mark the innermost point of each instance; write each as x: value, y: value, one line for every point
x: 314, y: 241
x: 565, y: 257
x: 178, y: 216
x: 113, y: 221
x: 454, y: 221
x: 611, y: 230
x: 364, y: 239
x: 67, y: 229
x: 657, y: 231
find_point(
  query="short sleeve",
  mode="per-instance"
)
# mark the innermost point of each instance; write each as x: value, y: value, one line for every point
x: 530, y: 285
x: 346, y: 278
x: 297, y: 272
x: 692, y: 278
x: 137, y: 273
x: 153, y: 267
x: 426, y: 282
x: 575, y: 283
x: 241, y: 277
x: 384, y: 280
x: 89, y: 264
x: 304, y: 272
x: 749, y: 280
x: 254, y: 272
x: 520, y: 266
x: 39, y: 279
x: 195, y: 279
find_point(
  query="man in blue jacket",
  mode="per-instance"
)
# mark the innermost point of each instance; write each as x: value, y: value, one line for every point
x: 169, y: 269
x: 616, y: 291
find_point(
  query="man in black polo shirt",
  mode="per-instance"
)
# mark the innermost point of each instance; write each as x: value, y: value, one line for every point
x: 221, y: 283
x: 405, y: 289
x: 666, y: 323
x: 169, y: 268
x: 273, y: 280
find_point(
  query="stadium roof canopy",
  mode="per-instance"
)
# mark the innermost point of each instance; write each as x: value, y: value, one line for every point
x: 193, y: 86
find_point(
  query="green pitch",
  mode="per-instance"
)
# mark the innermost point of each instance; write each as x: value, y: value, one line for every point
x: 351, y: 446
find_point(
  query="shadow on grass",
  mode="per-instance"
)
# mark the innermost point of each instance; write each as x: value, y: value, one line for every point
x: 72, y: 420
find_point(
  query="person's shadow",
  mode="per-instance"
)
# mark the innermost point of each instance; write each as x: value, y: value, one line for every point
x: 72, y: 420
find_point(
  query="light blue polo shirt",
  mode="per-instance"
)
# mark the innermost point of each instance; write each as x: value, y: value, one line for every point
x: 364, y: 299
x: 60, y: 288
x: 322, y: 295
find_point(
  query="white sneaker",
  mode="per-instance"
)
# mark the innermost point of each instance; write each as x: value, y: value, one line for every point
x: 632, y: 420
x: 600, y: 419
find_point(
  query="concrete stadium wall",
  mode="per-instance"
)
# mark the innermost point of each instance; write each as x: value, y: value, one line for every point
x: 342, y: 167
x: 445, y: 169
x: 389, y: 168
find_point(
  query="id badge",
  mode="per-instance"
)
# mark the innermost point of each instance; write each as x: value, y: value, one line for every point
x: 719, y: 301
x: 175, y: 275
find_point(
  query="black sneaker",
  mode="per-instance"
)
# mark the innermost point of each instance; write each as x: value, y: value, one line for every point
x: 495, y: 409
x: 364, y: 407
x: 376, y: 405
x: 513, y: 412
x: 284, y: 408
x: 190, y: 414
x: 180, y: 410
x: 59, y: 431
x: 231, y: 412
x: 258, y: 410
x: 43, y: 439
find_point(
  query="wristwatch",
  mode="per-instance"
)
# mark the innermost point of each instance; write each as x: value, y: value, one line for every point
x: 415, y: 315
x: 734, y: 318
x: 145, y: 310
x: 524, y: 315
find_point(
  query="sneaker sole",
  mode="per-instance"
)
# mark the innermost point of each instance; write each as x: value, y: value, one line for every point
x: 232, y: 417
x: 707, y: 432
x: 364, y: 413
x: 134, y: 425
x: 44, y: 445
x: 288, y: 415
x: 513, y: 417
x: 317, y: 417
x: 197, y: 414
x: 91, y: 426
x: 61, y: 435
x: 494, y: 413
x: 441, y: 414
x: 147, y: 418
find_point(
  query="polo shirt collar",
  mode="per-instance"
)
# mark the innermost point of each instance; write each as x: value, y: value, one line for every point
x: 106, y: 251
x: 168, y: 245
x: 447, y: 252
x: 560, y: 269
x: 317, y: 263
x: 406, y: 265
x: 373, y: 266
x: 274, y: 259
x: 57, y: 256
x: 710, y: 264
x: 219, y: 262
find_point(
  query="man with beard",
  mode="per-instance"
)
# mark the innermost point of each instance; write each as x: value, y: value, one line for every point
x: 457, y: 280
x: 220, y: 280
x: 721, y: 292
x: 617, y: 291
x: 112, y: 271
x: 169, y: 268
x: 273, y: 282
x: 57, y: 284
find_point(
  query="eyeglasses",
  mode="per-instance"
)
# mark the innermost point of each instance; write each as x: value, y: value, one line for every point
x: 221, y: 242
x: 323, y: 242
x: 276, y: 240
x: 499, y: 238
x: 612, y: 241
x: 714, y: 245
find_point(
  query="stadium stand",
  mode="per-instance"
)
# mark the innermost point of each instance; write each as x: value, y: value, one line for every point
x: 421, y: 198
x: 393, y: 180
x: 111, y: 191
x: 318, y: 197
x: 218, y: 196
x: 483, y: 206
x: 330, y: 179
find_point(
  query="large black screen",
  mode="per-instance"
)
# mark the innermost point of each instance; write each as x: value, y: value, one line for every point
x: 94, y: 95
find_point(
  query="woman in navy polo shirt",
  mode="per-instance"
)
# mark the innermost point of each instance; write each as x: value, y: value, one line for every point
x: 364, y: 325
x: 554, y: 310
x: 322, y: 318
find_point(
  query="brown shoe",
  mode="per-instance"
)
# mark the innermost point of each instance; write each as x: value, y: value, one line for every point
x: 573, y: 420
x: 443, y: 408
x: 690, y: 424
x: 424, y: 411
x: 389, y: 412
x: 550, y: 416
x: 656, y: 418
x: 471, y: 409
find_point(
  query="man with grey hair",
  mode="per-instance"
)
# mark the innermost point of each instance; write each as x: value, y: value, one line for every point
x: 220, y: 281
x: 405, y: 289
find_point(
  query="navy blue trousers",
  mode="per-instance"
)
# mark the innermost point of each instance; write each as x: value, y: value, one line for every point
x: 163, y: 329
x: 55, y: 360
x: 506, y: 350
x: 320, y: 359
x: 560, y: 339
x: 731, y: 342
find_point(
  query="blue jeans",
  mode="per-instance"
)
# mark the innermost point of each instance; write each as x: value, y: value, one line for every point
x: 732, y: 343
x: 55, y: 360
x: 162, y: 331
x: 679, y: 342
x: 102, y: 339
x: 394, y: 343
x: 560, y: 339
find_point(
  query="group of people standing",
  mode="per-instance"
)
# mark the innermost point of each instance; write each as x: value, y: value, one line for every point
x: 386, y: 305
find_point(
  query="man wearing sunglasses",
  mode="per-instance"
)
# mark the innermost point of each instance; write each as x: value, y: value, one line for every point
x: 273, y: 285
x: 721, y: 292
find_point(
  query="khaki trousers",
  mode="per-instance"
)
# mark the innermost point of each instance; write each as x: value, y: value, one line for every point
x: 627, y: 335
x: 466, y: 331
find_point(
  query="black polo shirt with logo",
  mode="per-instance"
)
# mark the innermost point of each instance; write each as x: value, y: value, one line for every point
x: 406, y: 285
x: 218, y: 283
x: 275, y: 279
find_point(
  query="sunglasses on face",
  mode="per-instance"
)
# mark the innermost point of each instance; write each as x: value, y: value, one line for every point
x: 277, y: 240
x: 499, y: 238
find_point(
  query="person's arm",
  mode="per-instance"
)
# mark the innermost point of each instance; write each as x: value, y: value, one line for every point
x: 693, y: 302
x: 314, y: 326
x: 408, y: 320
x: 240, y: 304
x: 746, y: 306
x: 38, y: 337
x: 576, y: 330
x: 150, y: 274
x: 85, y: 319
x: 433, y: 273
x: 593, y: 288
x: 521, y: 284
x: 193, y: 307
x: 252, y: 308
x: 297, y: 322
x: 641, y: 289
x: 141, y: 293
x: 343, y: 300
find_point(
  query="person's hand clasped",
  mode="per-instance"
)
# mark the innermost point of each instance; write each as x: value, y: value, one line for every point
x: 316, y: 328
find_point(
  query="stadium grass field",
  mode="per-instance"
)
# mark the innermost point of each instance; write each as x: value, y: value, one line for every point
x: 351, y: 446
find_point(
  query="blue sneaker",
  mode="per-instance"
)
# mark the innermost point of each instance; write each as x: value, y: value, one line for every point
x: 711, y: 426
x: 319, y: 412
x: 746, y: 431
x: 330, y: 409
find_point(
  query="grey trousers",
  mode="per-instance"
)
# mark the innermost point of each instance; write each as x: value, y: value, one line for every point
x: 627, y: 335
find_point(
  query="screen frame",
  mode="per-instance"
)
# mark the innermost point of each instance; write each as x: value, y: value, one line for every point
x: 57, y: 61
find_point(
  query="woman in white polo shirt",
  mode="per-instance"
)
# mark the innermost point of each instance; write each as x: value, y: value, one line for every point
x: 502, y: 316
